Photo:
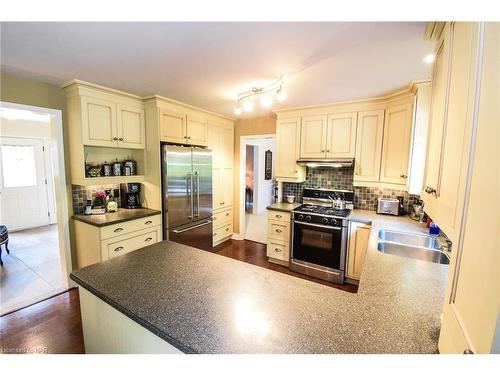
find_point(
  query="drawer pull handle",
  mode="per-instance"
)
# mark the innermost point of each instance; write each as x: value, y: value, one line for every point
x: 148, y: 222
x: 278, y: 250
x: 119, y: 248
x: 148, y: 239
x: 279, y: 216
x: 118, y: 230
x: 279, y: 231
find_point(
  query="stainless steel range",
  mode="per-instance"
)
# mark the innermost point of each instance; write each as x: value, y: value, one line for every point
x: 319, y: 233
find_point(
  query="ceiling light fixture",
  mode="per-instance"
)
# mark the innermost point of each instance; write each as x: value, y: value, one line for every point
x: 429, y: 59
x: 267, y: 96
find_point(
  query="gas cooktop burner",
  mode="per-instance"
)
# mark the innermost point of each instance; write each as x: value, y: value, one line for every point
x: 322, y: 210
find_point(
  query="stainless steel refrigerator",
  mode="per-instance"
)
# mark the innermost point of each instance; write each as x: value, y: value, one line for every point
x: 187, y: 195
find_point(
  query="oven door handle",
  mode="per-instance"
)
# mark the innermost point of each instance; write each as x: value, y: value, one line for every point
x: 317, y: 225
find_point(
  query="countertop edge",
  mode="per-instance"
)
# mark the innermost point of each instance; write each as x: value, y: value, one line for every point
x: 81, y: 218
x: 135, y: 318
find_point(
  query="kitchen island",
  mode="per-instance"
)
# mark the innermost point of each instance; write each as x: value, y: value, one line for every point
x: 194, y: 301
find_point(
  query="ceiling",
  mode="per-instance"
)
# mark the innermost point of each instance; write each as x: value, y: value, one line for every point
x: 208, y: 64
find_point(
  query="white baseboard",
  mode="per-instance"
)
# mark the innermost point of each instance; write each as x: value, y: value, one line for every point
x: 237, y: 236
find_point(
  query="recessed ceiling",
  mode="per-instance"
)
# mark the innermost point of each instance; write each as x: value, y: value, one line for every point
x: 207, y: 64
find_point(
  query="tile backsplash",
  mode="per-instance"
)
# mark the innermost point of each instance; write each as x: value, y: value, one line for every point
x: 330, y: 178
x: 81, y: 194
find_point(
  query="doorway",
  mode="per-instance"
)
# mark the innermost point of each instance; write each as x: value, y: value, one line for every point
x: 258, y: 185
x: 33, y: 206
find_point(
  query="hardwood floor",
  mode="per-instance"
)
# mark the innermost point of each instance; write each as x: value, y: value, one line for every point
x: 51, y: 326
x: 255, y: 253
x: 55, y: 326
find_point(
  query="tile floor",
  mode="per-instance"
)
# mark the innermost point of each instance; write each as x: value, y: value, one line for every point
x: 256, y: 227
x: 32, y: 271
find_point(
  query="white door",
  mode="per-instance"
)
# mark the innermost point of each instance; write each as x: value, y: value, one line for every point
x: 23, y: 198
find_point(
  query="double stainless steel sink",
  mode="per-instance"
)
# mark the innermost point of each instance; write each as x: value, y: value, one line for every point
x: 409, y: 245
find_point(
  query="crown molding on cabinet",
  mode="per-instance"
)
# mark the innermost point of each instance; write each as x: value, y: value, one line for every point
x: 76, y: 84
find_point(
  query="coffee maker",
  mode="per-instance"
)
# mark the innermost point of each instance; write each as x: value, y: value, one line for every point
x: 130, y: 195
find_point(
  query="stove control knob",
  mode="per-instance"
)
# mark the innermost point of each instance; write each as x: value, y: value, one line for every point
x: 308, y: 218
x: 325, y: 220
x: 333, y: 221
x: 301, y: 217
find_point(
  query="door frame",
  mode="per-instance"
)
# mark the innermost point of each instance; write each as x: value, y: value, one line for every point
x: 61, y: 188
x: 244, y: 139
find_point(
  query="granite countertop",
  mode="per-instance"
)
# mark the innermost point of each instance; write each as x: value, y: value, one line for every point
x: 283, y: 206
x: 123, y: 214
x: 202, y: 302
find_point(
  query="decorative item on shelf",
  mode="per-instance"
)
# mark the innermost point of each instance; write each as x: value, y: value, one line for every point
x: 117, y: 168
x: 131, y: 165
x: 94, y: 171
x: 100, y: 199
x: 266, y: 94
x: 106, y: 169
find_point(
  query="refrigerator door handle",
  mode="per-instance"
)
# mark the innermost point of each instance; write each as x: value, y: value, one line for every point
x: 189, y: 190
x: 197, y: 194
x: 176, y: 231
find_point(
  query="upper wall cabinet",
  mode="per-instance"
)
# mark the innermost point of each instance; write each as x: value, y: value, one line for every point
x: 313, y: 137
x: 287, y: 150
x: 396, y: 144
x: 111, y: 124
x: 369, y: 146
x: 341, y: 135
x: 221, y: 141
x: 183, y: 128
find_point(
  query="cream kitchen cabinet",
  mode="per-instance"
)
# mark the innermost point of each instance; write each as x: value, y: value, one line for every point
x: 396, y: 144
x: 278, y: 236
x: 313, y: 132
x: 183, y: 128
x: 288, y: 150
x: 341, y: 135
x: 95, y: 244
x: 221, y: 141
x: 357, y: 246
x: 109, y: 123
x: 222, y: 185
x: 369, y: 146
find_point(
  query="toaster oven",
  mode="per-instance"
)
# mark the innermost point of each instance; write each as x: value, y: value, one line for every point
x: 388, y: 206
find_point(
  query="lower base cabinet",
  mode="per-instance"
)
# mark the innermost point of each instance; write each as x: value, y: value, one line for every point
x: 96, y: 244
x: 222, y: 225
x: 357, y: 246
x: 278, y: 237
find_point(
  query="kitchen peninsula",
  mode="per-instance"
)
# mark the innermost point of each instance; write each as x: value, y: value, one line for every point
x: 170, y: 298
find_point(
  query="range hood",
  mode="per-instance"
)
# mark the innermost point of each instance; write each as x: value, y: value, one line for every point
x: 326, y: 163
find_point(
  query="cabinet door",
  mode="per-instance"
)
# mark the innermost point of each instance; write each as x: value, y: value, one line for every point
x: 214, y: 143
x: 369, y: 146
x: 131, y: 127
x: 287, y: 149
x: 437, y: 119
x: 313, y: 137
x: 358, y: 243
x: 173, y: 127
x: 222, y: 185
x: 341, y: 135
x: 396, y: 144
x: 197, y: 131
x: 227, y: 140
x: 98, y: 122
x: 132, y: 243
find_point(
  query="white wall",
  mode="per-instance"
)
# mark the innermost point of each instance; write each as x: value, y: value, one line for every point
x: 263, y: 189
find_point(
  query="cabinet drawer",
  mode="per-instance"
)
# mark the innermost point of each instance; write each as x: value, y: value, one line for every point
x: 278, y: 230
x: 223, y: 217
x: 127, y: 245
x: 278, y: 215
x: 278, y: 250
x: 222, y: 232
x: 130, y: 226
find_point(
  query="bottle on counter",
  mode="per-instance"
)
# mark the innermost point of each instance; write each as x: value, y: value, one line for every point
x: 88, y: 207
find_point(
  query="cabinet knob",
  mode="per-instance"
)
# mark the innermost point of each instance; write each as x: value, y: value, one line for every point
x: 278, y: 250
x: 327, y: 150
x: 227, y: 229
x: 120, y: 139
x: 115, y: 138
x: 148, y: 239
x: 189, y: 137
x: 278, y: 231
x: 403, y: 175
x: 119, y: 248
x: 279, y: 216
